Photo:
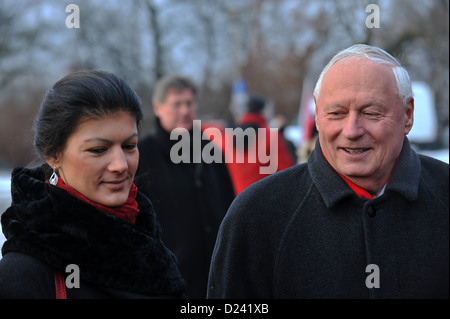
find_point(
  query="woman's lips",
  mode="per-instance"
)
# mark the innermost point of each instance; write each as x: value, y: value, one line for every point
x: 115, y: 185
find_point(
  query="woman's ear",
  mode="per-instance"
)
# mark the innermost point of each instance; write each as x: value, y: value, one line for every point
x: 52, y: 161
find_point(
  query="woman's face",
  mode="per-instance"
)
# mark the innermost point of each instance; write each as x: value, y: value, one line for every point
x: 101, y: 158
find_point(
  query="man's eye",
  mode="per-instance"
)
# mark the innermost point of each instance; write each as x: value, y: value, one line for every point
x: 336, y: 114
x: 371, y: 114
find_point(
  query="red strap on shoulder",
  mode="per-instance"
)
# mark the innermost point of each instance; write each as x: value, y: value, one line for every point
x: 60, y: 285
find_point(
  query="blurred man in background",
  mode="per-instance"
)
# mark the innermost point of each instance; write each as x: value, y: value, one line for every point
x: 190, y: 198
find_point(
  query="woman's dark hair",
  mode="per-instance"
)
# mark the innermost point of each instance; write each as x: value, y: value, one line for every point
x: 80, y: 95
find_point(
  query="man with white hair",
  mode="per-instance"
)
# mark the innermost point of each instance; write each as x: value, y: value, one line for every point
x: 365, y: 217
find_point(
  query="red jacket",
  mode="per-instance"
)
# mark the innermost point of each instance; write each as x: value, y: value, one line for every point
x: 246, y: 173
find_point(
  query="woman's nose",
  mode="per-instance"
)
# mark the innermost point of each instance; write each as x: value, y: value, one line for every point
x: 118, y: 161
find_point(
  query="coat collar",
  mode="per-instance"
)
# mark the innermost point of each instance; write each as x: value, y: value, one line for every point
x: 333, y: 189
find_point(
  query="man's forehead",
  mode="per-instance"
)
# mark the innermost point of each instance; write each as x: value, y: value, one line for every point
x: 358, y: 63
x: 357, y: 71
x: 358, y: 79
x: 172, y: 91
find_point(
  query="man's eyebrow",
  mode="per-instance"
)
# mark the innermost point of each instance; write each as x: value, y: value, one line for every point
x: 340, y: 105
x: 334, y: 106
x: 104, y: 140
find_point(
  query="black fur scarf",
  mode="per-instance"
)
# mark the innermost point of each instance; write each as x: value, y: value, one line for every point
x: 51, y: 225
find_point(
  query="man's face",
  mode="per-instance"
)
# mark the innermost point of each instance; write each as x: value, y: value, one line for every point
x: 178, y: 110
x: 361, y: 121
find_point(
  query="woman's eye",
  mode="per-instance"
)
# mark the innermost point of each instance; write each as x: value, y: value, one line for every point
x: 97, y: 150
x: 130, y: 147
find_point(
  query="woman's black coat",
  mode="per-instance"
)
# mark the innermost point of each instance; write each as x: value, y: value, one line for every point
x: 48, y: 229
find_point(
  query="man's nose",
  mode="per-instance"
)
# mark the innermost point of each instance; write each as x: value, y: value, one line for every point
x: 354, y: 126
x: 185, y: 108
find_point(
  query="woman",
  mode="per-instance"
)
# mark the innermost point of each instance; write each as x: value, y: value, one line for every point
x: 81, y: 209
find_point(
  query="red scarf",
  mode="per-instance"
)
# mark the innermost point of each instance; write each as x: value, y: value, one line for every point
x: 361, y: 192
x: 128, y: 211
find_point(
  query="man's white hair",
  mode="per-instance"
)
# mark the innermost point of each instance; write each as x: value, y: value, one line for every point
x: 376, y: 55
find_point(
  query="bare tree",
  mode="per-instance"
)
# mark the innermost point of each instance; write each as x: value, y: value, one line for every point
x: 155, y: 29
x: 17, y: 40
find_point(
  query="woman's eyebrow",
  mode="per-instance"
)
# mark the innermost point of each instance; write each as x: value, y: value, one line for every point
x: 104, y: 140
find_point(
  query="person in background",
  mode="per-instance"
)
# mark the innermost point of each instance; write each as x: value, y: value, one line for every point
x: 247, y: 172
x: 307, y: 146
x: 280, y: 122
x: 190, y: 198
x: 81, y: 210
x: 364, y: 217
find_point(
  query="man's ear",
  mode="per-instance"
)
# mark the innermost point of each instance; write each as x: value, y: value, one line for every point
x: 409, y: 114
x: 156, y: 107
x: 315, y: 113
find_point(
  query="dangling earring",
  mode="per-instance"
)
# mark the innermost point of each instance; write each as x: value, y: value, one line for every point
x: 54, y: 178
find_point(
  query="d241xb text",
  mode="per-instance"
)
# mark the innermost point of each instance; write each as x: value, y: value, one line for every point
x: 246, y: 308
